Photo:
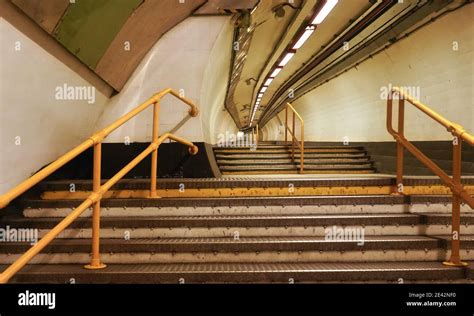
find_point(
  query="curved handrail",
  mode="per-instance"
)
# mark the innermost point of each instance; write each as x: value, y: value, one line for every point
x: 452, y: 127
x: 98, y: 189
x: 294, y: 140
x: 12, y: 194
x: 454, y: 182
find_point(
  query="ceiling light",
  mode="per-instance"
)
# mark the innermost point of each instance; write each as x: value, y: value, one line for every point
x: 260, y: 95
x: 264, y: 89
x: 267, y: 83
x: 307, y: 33
x: 327, y: 8
x: 254, y: 9
x: 286, y: 59
x: 275, y: 72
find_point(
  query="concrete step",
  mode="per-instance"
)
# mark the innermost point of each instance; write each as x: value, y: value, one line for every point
x: 287, y: 147
x: 307, y: 162
x: 258, y: 155
x: 314, y: 166
x: 304, y: 220
x: 249, y: 226
x: 245, y: 182
x: 245, y: 249
x: 318, y: 204
x: 243, y: 272
x: 276, y: 159
x: 244, y: 244
x: 285, y: 151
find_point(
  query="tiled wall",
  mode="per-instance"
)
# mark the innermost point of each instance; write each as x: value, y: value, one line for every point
x: 351, y: 105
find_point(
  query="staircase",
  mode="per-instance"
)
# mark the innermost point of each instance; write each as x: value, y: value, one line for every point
x: 241, y: 238
x: 270, y: 158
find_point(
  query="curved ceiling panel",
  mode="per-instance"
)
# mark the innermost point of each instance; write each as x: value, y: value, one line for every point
x: 141, y: 31
x: 46, y: 13
x: 89, y: 26
x: 257, y: 37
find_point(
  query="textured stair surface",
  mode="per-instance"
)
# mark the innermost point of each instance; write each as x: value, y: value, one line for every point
x: 268, y: 158
x: 238, y: 272
x: 245, y: 239
x: 226, y: 244
x: 246, y: 221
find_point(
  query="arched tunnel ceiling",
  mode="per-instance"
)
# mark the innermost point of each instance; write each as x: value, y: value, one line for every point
x: 380, y: 25
x: 365, y: 26
x: 263, y: 43
x: 254, y: 44
x: 112, y: 36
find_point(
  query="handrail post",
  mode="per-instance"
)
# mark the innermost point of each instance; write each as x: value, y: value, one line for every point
x: 94, y: 199
x: 95, y: 260
x: 454, y: 182
x: 293, y: 138
x: 154, y: 154
x: 398, y: 189
x: 286, y: 124
x: 455, y: 258
x: 302, y: 148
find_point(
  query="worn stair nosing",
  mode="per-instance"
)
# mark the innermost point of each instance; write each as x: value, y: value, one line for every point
x: 243, y: 272
x: 245, y: 221
x: 227, y: 244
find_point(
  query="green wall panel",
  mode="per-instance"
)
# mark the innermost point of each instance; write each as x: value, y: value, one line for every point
x: 89, y: 26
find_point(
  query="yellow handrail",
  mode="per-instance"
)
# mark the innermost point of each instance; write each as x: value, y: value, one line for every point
x: 454, y: 182
x: 98, y: 190
x: 6, y: 198
x: 292, y: 131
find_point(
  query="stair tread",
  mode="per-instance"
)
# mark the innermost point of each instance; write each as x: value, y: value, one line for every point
x: 240, y: 267
x: 256, y: 155
x: 242, y: 221
x: 295, y: 166
x: 242, y: 240
x: 316, y: 201
x: 222, y: 245
x: 290, y: 161
x: 288, y: 147
x: 265, y: 159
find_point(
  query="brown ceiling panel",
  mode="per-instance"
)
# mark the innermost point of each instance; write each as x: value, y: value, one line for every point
x: 142, y: 30
x: 225, y: 6
x: 46, y: 13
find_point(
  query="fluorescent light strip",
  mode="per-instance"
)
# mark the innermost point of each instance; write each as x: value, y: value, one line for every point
x: 307, y: 34
x: 263, y: 89
x: 330, y: 4
x: 267, y: 83
x: 275, y: 72
x: 260, y: 95
x: 286, y: 59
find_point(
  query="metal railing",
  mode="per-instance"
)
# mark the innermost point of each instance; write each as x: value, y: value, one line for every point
x: 98, y: 190
x: 454, y: 182
x: 294, y: 141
